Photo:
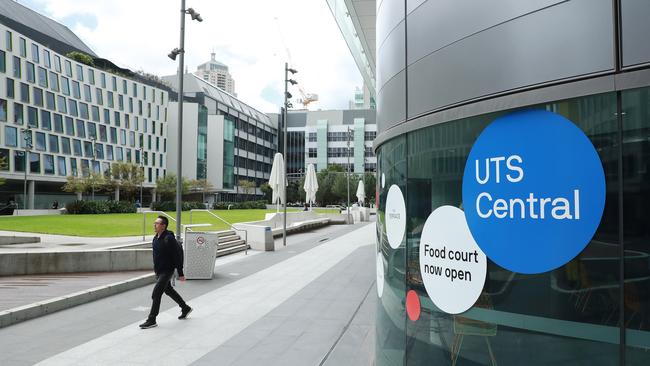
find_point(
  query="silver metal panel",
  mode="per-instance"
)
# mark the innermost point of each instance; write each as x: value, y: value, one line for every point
x: 562, y: 41
x: 200, y: 253
x: 391, y: 54
x: 439, y: 23
x: 391, y: 102
x: 389, y: 14
x: 635, y: 16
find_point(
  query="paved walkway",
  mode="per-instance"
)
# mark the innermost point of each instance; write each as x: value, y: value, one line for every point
x: 310, y: 303
x: 65, y: 243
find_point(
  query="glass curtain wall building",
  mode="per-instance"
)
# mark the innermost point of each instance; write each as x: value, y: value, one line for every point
x: 446, y: 70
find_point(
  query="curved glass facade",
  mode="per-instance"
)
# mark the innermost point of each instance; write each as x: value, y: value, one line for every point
x: 595, y: 310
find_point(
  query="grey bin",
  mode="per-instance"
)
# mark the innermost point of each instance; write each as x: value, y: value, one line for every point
x: 200, y: 249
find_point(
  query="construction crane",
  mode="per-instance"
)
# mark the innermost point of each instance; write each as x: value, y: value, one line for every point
x: 306, y: 97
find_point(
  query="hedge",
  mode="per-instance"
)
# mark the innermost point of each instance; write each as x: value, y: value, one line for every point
x: 99, y: 207
x: 261, y: 204
x: 171, y: 206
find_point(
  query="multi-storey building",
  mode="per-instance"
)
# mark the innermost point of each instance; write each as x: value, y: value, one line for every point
x: 61, y: 117
x: 217, y: 74
x: 322, y: 137
x: 224, y: 140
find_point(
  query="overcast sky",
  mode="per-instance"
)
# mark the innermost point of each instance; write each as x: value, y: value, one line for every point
x: 246, y: 35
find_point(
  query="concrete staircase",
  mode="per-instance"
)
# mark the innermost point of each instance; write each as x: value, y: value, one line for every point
x: 230, y: 242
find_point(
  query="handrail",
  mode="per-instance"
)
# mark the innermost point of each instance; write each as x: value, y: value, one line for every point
x: 144, y: 220
x: 225, y: 222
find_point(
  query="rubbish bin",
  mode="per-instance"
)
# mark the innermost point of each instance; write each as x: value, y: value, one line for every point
x: 200, y: 249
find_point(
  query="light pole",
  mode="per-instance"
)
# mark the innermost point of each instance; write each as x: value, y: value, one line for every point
x: 179, y: 164
x: 287, y: 104
x: 141, y: 180
x: 347, y: 208
x: 92, y: 169
x: 27, y: 136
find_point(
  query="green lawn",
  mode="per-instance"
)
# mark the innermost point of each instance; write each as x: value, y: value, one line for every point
x: 110, y: 225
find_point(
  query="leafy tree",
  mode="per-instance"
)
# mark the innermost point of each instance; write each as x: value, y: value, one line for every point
x: 166, y: 187
x: 326, y: 179
x: 3, y: 166
x: 127, y: 177
x: 293, y: 192
x: 268, y: 192
x: 341, y: 187
x: 81, y: 57
x: 248, y: 186
x: 201, y: 185
x: 370, y: 185
x: 75, y: 185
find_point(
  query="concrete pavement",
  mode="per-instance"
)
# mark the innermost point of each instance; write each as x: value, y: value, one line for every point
x: 308, y: 303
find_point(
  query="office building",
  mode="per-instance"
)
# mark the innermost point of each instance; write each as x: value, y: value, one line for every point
x: 224, y: 140
x: 69, y: 117
x: 216, y: 73
x: 321, y: 138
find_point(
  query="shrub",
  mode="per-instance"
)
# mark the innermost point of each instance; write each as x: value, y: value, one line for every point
x: 260, y: 204
x: 171, y: 206
x: 81, y: 57
x: 99, y: 207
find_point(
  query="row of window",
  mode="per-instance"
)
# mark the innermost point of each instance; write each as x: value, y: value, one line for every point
x: 258, y: 132
x: 342, y: 136
x: 253, y: 147
x: 40, y: 141
x: 67, y: 69
x: 60, y: 165
x: 59, y: 103
x: 252, y: 164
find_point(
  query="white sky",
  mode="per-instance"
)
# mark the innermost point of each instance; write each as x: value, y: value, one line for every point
x: 245, y: 35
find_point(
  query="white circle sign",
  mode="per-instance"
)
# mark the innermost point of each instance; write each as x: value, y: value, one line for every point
x: 380, y: 275
x: 383, y: 180
x: 395, y: 216
x: 452, y: 266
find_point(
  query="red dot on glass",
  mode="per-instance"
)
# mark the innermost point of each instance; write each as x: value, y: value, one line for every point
x: 413, y: 305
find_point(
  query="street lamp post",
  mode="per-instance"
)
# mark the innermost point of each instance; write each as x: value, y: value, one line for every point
x: 179, y: 132
x: 348, y: 175
x: 92, y: 170
x: 142, y: 180
x: 27, y: 136
x: 287, y: 104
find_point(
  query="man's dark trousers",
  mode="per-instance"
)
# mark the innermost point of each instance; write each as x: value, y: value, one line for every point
x: 163, y: 284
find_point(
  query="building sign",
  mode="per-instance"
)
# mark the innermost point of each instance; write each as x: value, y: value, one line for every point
x: 533, y: 191
x: 452, y: 266
x: 395, y: 216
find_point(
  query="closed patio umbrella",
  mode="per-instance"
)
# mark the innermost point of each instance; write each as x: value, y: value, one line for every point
x: 277, y: 180
x: 361, y: 192
x: 311, y: 185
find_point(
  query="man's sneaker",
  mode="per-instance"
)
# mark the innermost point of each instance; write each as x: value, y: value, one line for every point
x: 185, y: 312
x: 148, y: 324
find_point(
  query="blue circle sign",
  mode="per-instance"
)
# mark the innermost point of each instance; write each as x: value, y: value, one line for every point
x: 533, y: 191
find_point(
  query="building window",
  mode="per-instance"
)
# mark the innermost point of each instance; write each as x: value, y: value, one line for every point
x: 46, y: 58
x: 32, y: 116
x: 9, y: 40
x: 58, y: 123
x: 40, y: 141
x: 312, y: 137
x: 18, y: 114
x: 87, y: 93
x: 65, y: 85
x: 50, y: 101
x: 54, y: 82
x: 3, y: 110
x: 31, y: 74
x: 35, y: 53
x: 69, y: 126
x: 22, y: 44
x: 76, y: 147
x: 24, y: 93
x: 17, y: 69
x: 48, y: 164
x: 80, y: 73
x: 10, y: 88
x: 46, y: 122
x: 60, y: 101
x: 11, y: 136
x: 65, y: 145
x: 76, y: 89
x: 54, y: 143
x: 61, y: 166
x: 38, y: 96
x: 3, y: 61
x: 57, y: 63
x: 68, y: 68
x: 313, y: 153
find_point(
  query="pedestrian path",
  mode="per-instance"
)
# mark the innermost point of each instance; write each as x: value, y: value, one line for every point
x: 66, y: 243
x: 294, y: 297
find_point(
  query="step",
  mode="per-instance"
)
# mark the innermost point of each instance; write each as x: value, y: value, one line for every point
x: 226, y: 233
x: 225, y: 239
x: 230, y: 250
x: 231, y: 244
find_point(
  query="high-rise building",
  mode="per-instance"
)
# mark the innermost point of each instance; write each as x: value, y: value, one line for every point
x: 62, y: 117
x: 216, y: 73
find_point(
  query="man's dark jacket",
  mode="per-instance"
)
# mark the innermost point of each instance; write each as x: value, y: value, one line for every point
x: 167, y: 254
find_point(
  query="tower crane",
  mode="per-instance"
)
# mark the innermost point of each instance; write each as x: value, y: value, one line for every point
x: 306, y: 97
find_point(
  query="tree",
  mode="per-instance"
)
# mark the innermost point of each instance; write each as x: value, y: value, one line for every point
x: 326, y: 178
x: 127, y: 177
x: 201, y: 185
x: 166, y: 187
x: 3, y: 166
x: 370, y: 185
x: 247, y: 186
x: 268, y: 192
x: 341, y: 187
x: 293, y: 192
x: 75, y: 185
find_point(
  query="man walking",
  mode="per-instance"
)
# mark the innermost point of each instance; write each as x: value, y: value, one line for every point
x: 167, y: 256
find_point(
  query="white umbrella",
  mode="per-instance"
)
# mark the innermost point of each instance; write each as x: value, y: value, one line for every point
x: 361, y: 192
x: 277, y: 180
x: 311, y: 184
